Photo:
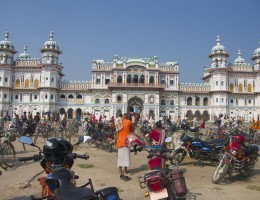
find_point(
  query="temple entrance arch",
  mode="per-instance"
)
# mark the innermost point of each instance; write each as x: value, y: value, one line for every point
x: 135, y: 105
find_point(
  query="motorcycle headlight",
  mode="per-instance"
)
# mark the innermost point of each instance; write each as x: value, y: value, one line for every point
x: 233, y: 152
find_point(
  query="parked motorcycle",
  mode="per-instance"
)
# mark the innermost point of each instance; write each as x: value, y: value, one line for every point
x: 198, y: 149
x: 238, y: 158
x: 162, y: 182
x: 59, y: 184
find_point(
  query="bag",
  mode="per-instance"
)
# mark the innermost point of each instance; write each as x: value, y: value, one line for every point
x: 179, y: 183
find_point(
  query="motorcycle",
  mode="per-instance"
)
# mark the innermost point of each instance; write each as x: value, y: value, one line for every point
x: 238, y: 158
x: 59, y: 183
x: 198, y: 149
x: 162, y: 181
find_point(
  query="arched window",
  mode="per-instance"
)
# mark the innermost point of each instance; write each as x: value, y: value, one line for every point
x: 216, y: 83
x: 222, y: 83
x: 151, y: 99
x: 231, y: 87
x: 70, y: 96
x: 189, y: 101
x: 162, y: 102
x: 240, y: 87
x: 79, y: 96
x: 231, y: 100
x: 129, y: 78
x: 135, y: 80
x: 249, y: 88
x: 119, y: 79
x: 142, y: 79
x: 36, y: 83
x: 26, y: 83
x: 106, y: 101
x: 46, y: 96
x: 151, y: 80
x: 119, y: 99
x: 17, y: 83
x: 197, y: 101
x: 205, y: 101
x: 172, y: 102
x: 249, y: 101
x: 62, y: 96
x: 16, y: 96
x: 97, y: 101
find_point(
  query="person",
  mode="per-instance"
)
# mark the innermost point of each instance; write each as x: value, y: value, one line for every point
x: 178, y: 121
x: 253, y: 123
x: 123, y: 152
x: 202, y: 123
x: 257, y: 124
x: 37, y: 118
x: 194, y: 122
x: 157, y: 134
x: 222, y: 121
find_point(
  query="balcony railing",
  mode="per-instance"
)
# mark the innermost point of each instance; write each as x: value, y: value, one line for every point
x: 71, y: 101
x: 134, y: 85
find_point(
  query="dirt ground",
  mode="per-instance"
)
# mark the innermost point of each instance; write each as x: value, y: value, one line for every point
x: 20, y: 182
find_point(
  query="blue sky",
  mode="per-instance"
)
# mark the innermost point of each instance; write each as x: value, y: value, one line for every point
x: 182, y: 31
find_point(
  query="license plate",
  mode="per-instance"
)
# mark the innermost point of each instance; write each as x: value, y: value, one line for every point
x: 158, y: 195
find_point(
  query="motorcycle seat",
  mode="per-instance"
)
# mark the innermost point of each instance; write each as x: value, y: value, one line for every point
x: 214, y: 143
x: 250, y: 150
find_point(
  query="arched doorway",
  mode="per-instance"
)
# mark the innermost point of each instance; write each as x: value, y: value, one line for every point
x: 197, y: 115
x: 189, y: 115
x: 79, y: 113
x: 205, y: 115
x: 118, y: 112
x: 135, y: 104
x: 70, y: 113
x: 151, y: 114
x: 62, y: 111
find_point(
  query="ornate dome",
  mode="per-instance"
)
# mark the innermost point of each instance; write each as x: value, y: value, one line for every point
x: 239, y: 59
x: 24, y: 55
x: 51, y: 44
x: 218, y: 46
x: 257, y: 51
x: 6, y: 43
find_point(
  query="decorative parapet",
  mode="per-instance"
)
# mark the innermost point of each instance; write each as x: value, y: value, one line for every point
x: 27, y: 62
x: 123, y: 62
x: 194, y: 87
x: 242, y: 67
x: 75, y: 85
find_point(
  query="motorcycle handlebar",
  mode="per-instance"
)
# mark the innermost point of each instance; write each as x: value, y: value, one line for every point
x: 85, y: 157
x: 35, y: 157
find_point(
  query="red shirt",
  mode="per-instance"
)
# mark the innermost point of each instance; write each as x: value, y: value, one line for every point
x: 155, y: 135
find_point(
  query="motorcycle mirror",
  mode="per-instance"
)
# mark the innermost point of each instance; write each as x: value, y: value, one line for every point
x: 168, y: 139
x: 26, y: 140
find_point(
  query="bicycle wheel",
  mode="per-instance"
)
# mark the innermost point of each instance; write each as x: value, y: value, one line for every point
x: 92, y: 143
x: 36, y: 136
x: 107, y: 146
x: 8, y: 154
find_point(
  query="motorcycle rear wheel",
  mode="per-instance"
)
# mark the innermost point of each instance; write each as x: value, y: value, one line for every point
x: 220, y: 172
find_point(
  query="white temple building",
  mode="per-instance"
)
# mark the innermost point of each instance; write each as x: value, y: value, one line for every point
x: 142, y: 85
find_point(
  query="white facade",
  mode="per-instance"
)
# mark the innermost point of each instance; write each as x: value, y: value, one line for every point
x: 128, y: 84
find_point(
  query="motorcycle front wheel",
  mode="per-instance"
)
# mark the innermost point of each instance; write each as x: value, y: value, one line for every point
x: 220, y: 172
x: 177, y: 156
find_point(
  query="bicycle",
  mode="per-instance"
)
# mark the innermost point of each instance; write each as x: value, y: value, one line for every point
x: 44, y: 130
x: 7, y: 150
